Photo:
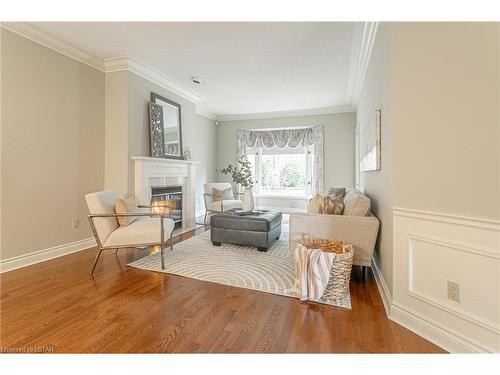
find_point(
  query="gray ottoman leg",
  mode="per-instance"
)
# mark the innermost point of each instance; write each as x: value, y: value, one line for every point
x: 262, y: 248
x: 215, y: 243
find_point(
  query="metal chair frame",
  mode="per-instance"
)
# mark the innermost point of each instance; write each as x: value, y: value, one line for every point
x: 207, y: 210
x: 131, y: 246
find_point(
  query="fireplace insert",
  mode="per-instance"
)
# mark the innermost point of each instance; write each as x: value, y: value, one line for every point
x: 168, y: 200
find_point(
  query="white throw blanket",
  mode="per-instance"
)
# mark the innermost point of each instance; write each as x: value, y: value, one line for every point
x: 312, y: 271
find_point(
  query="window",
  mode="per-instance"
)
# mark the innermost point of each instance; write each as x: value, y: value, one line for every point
x: 284, y: 172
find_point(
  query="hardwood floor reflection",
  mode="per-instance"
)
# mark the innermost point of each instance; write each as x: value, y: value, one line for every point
x: 126, y: 310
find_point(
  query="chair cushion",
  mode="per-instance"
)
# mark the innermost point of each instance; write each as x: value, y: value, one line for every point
x: 356, y: 204
x: 103, y: 202
x: 142, y: 231
x: 226, y: 204
x: 126, y: 205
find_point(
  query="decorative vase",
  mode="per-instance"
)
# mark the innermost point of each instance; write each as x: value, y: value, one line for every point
x: 247, y: 200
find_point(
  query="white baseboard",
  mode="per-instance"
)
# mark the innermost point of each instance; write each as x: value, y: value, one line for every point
x: 383, y: 288
x: 46, y: 254
x: 436, y: 333
x: 456, y: 243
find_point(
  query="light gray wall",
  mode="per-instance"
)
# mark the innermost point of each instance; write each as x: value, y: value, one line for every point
x: 198, y: 132
x: 378, y: 185
x: 339, y: 142
x: 52, y: 145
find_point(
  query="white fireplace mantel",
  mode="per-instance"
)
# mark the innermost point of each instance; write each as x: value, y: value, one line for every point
x: 150, y: 172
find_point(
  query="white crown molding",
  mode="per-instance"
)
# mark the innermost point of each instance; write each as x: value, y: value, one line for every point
x: 360, y: 66
x: 119, y: 64
x: 46, y: 254
x: 203, y: 112
x: 292, y: 113
x: 33, y: 33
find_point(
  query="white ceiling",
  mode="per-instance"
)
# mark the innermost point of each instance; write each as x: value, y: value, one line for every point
x: 246, y: 67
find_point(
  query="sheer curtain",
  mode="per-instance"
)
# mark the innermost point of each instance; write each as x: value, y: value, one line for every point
x: 293, y: 138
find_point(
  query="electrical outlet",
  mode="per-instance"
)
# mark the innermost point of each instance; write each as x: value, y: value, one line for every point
x: 453, y: 291
x: 75, y: 223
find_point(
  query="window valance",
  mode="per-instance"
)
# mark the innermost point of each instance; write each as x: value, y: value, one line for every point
x: 304, y: 137
x: 280, y: 138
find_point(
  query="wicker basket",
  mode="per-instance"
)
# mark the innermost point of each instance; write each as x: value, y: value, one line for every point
x: 340, y: 273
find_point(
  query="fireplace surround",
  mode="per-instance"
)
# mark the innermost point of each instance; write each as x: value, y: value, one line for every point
x: 154, y: 176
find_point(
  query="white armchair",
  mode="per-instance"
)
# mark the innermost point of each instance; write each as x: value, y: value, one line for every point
x: 150, y: 229
x: 212, y: 205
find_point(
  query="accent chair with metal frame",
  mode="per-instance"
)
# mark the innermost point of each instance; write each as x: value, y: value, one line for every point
x: 214, y: 206
x: 149, y: 229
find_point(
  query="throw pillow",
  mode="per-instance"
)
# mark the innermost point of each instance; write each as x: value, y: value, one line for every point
x: 333, y: 205
x: 337, y: 191
x: 222, y: 195
x: 316, y: 205
x: 356, y: 204
x: 126, y: 205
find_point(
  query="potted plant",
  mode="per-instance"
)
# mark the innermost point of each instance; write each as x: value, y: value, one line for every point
x: 242, y: 175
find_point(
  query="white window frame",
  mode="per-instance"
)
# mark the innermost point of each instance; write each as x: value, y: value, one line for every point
x: 258, y: 152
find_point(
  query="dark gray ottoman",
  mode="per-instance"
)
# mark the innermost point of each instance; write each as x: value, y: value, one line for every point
x: 259, y: 230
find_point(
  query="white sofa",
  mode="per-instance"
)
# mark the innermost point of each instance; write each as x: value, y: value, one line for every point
x: 357, y: 226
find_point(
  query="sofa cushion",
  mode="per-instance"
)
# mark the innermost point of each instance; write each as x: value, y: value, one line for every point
x: 316, y: 205
x: 333, y: 205
x: 337, y: 191
x: 356, y: 204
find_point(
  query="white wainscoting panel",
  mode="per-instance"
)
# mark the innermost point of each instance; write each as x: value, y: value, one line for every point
x: 430, y: 249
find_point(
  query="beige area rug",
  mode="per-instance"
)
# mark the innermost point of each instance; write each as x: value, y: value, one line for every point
x: 235, y: 265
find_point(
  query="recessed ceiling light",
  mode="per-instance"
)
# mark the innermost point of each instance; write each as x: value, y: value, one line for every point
x: 196, y: 80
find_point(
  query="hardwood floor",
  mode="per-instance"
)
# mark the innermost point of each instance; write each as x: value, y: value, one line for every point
x: 56, y: 304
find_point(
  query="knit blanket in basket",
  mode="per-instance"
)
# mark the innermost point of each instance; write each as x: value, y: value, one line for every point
x: 312, y: 272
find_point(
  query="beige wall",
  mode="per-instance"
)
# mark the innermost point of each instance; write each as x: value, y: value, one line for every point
x: 378, y: 185
x: 198, y: 132
x: 437, y: 87
x: 52, y: 145
x: 339, y: 142
x: 446, y: 118
x: 116, y: 132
